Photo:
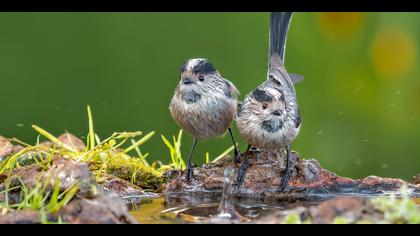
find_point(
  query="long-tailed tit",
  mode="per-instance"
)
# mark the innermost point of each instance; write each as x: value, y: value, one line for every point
x: 269, y: 117
x: 204, y: 104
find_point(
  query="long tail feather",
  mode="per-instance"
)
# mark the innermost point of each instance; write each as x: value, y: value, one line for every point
x: 279, y: 26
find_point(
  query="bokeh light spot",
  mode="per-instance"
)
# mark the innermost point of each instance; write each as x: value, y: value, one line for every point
x: 393, y: 52
x: 341, y: 26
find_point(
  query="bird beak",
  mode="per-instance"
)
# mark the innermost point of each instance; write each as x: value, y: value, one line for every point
x: 187, y: 81
x: 277, y: 112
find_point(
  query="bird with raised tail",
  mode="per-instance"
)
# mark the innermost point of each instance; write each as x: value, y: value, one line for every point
x: 269, y: 117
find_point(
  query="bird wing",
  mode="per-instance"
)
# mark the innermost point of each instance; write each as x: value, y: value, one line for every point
x: 296, y: 78
x: 278, y: 73
x: 231, y: 91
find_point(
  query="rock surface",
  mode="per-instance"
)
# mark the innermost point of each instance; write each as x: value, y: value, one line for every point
x: 69, y: 140
x: 107, y: 209
x: 352, y: 209
x: 21, y: 217
x: 7, y: 148
x: 89, y: 206
x: 416, y: 179
x: 129, y: 192
x: 104, y: 209
x: 67, y: 172
x: 264, y: 174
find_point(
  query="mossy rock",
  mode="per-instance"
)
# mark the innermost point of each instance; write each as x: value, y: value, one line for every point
x: 130, y: 169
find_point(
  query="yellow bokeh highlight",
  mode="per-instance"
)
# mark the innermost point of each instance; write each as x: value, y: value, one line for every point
x: 340, y: 26
x: 393, y: 52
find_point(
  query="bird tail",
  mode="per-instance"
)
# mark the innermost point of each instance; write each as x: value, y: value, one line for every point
x: 279, y: 26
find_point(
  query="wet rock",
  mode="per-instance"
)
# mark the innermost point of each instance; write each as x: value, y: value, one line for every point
x: 72, y: 141
x: 7, y: 148
x: 21, y: 217
x: 350, y: 208
x: 264, y: 175
x: 345, y: 209
x: 104, y: 209
x: 126, y: 190
x: 107, y: 209
x: 279, y: 217
x: 416, y: 179
x: 67, y: 172
x: 69, y: 140
x: 88, y: 206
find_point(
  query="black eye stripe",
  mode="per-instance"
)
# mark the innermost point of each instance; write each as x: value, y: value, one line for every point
x: 262, y: 96
x: 204, y: 67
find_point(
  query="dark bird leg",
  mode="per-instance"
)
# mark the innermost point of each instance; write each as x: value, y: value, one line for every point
x: 286, y: 176
x: 190, y: 168
x: 236, y: 158
x: 243, y: 169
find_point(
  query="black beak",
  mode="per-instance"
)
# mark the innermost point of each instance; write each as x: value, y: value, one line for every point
x: 277, y: 112
x: 187, y: 81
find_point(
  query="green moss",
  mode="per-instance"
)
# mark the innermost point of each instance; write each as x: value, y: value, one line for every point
x: 401, y: 209
x: 128, y: 168
x: 292, y: 219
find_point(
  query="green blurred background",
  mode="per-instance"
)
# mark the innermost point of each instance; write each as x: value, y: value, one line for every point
x: 360, y: 100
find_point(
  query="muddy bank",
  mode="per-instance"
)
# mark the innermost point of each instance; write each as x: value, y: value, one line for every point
x: 264, y: 175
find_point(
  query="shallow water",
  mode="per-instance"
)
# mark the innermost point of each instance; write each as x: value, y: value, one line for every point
x: 225, y: 206
x: 203, y: 208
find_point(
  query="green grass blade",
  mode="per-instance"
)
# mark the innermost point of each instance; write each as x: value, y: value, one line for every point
x: 68, y: 196
x: 52, y: 138
x: 167, y: 143
x: 54, y: 196
x: 140, y: 142
x: 223, y: 154
x: 91, y: 129
x: 207, y: 157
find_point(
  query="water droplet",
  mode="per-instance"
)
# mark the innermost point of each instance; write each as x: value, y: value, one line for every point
x: 320, y: 132
x: 340, y: 113
x: 365, y: 140
x: 20, y: 125
x: 227, y: 207
x: 384, y: 166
